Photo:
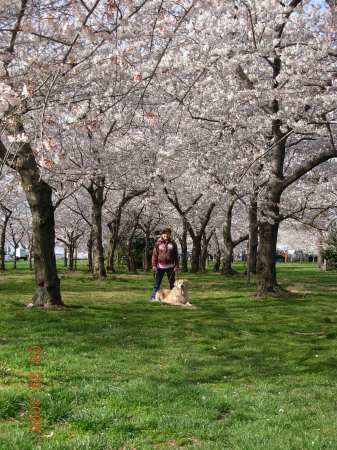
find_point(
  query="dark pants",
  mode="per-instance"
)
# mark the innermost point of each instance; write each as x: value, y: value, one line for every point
x: 171, y: 275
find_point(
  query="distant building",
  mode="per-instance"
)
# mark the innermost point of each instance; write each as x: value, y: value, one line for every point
x: 21, y: 252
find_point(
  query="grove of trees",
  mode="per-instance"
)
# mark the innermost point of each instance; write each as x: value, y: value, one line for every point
x: 217, y: 117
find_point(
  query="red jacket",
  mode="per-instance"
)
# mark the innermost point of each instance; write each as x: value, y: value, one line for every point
x: 165, y: 253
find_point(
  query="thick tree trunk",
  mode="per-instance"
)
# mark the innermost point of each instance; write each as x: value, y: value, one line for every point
x: 268, y: 233
x: 269, y: 220
x: 39, y: 197
x: 266, y: 270
x: 270, y: 214
x: 183, y: 246
x: 48, y: 290
x: 196, y: 253
x: 96, y: 191
x: 253, y: 237
x: 3, y: 241
x: 228, y: 252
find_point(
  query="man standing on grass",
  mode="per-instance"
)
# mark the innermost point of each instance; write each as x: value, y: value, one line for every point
x: 164, y: 259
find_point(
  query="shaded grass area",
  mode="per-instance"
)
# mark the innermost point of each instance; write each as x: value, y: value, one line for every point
x: 119, y: 373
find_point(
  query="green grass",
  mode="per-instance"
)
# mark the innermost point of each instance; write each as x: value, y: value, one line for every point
x: 119, y: 373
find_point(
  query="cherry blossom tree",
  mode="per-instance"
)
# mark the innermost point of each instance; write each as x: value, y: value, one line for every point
x: 260, y: 76
x: 52, y: 57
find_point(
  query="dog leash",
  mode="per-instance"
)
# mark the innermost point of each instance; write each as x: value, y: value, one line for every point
x: 172, y: 273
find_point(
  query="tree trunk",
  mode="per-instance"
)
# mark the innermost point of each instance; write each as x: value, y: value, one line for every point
x: 131, y: 261
x: 3, y: 241
x: 15, y: 258
x: 2, y: 248
x: 98, y: 250
x: 96, y: 191
x: 71, y: 256
x: 113, y: 240
x: 65, y: 257
x: 228, y: 242
x: 204, y: 251
x: 48, y: 290
x: 118, y: 257
x: 196, y: 253
x: 114, y: 226
x: 216, y: 267
x: 183, y: 246
x: 228, y: 252
x: 31, y: 249
x: 39, y: 197
x: 89, y: 249
x: 266, y: 269
x: 319, y: 251
x: 110, y: 255
x: 269, y: 208
x: 75, y: 257
x: 130, y: 257
x: 147, y: 253
x: 268, y: 233
x: 196, y: 237
x: 203, y: 254
x: 217, y: 263
x: 227, y: 239
x: 253, y: 237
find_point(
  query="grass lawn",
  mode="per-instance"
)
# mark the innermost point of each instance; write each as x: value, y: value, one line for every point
x: 119, y: 373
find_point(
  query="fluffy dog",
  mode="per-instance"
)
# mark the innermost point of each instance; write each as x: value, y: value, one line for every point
x: 178, y: 295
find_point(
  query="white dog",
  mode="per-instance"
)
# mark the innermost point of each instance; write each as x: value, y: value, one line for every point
x: 178, y: 295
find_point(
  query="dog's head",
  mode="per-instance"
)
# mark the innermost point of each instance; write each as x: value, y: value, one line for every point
x: 182, y: 285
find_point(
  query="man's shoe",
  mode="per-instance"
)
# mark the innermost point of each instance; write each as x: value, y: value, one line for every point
x: 152, y: 299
